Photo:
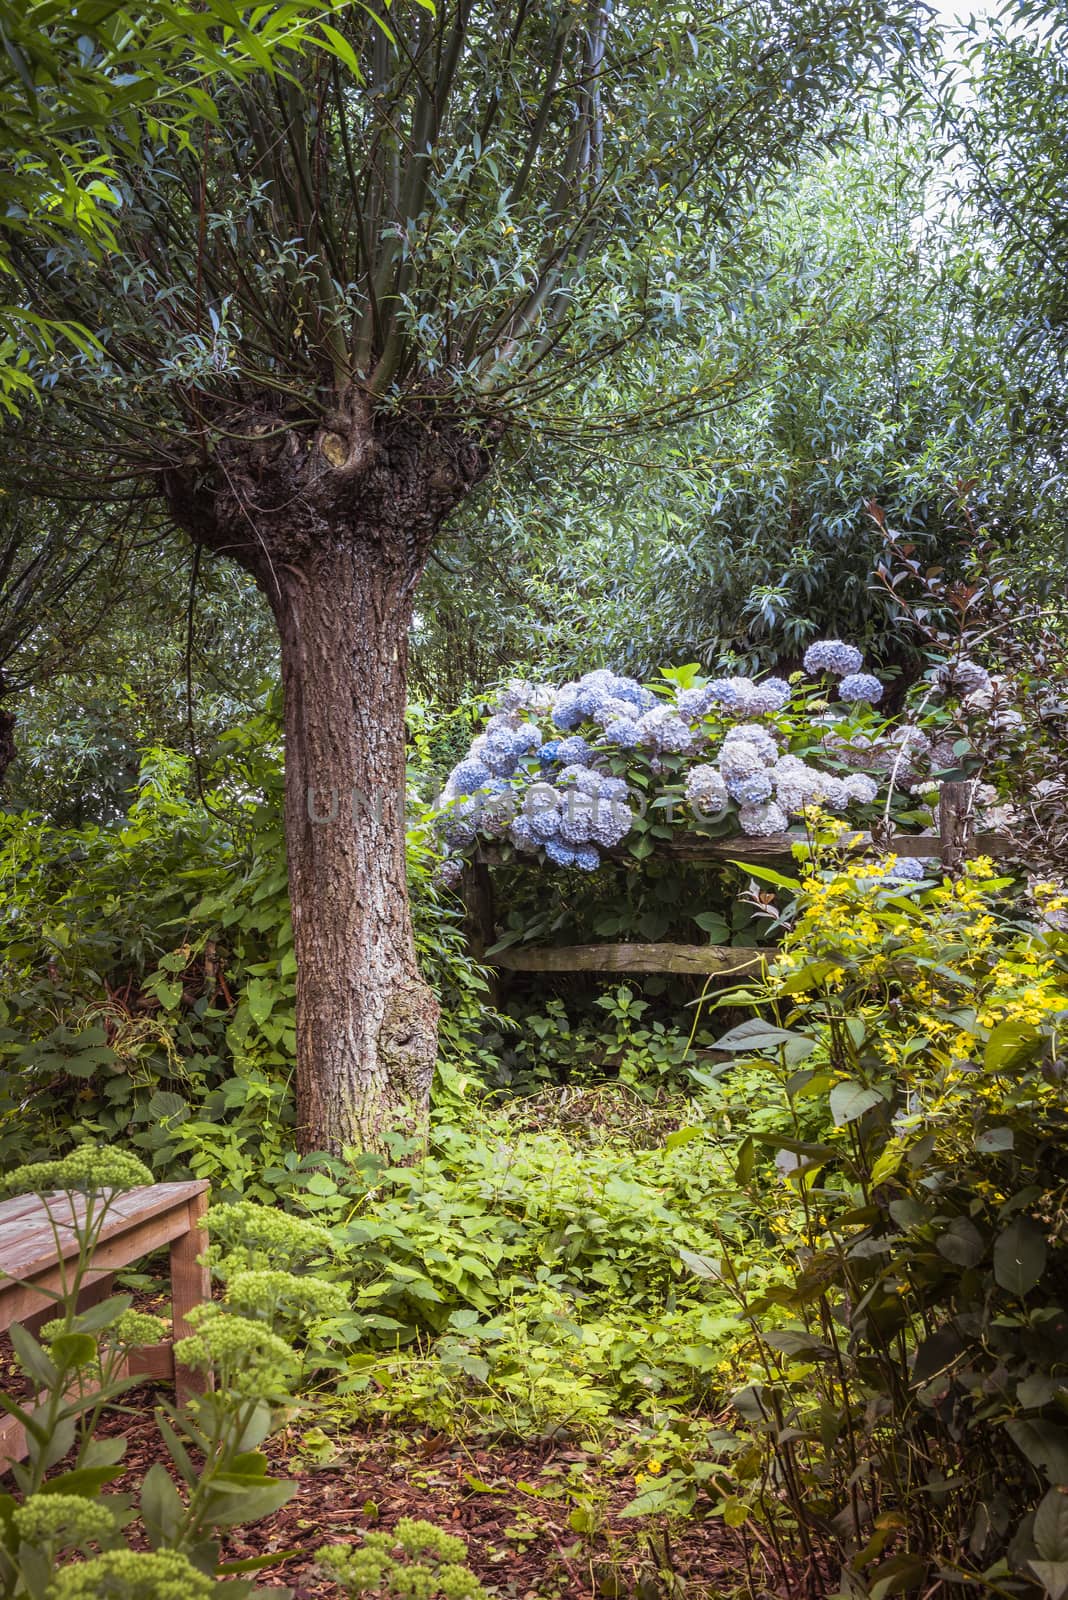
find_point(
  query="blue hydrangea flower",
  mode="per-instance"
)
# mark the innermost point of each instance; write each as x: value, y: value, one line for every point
x: 739, y: 759
x: 723, y: 692
x: 623, y: 732
x: 831, y: 655
x: 912, y: 869
x: 762, y: 821
x: 567, y: 712
x: 576, y: 819
x: 759, y: 738
x: 561, y: 855
x: 577, y: 776
x: 587, y: 859
x: 528, y: 736
x: 692, y: 703
x: 523, y: 836
x: 613, y: 709
x: 459, y: 827
x: 467, y: 776
x: 772, y: 693
x: 517, y: 695
x: 856, y: 686
x: 500, y: 756
x: 827, y: 790
x: 497, y: 810
x: 750, y: 791
x: 630, y: 689
x: 611, y: 823
x: 449, y: 874
x: 612, y: 788
x: 545, y: 824
x: 674, y: 736
x: 705, y: 790
x: 861, y: 788
x: 549, y: 752
x: 574, y: 751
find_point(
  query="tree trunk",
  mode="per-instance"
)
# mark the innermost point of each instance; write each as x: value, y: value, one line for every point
x: 366, y: 1021
x: 336, y: 528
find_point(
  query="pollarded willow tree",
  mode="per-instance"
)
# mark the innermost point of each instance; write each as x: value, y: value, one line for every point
x: 328, y: 315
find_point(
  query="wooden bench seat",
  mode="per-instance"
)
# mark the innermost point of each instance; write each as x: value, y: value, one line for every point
x: 39, y: 1246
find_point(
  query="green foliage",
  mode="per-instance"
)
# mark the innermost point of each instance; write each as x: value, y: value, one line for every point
x: 904, y: 1375
x: 78, y: 94
x: 150, y: 976
x: 877, y: 344
x: 642, y: 1038
x: 510, y: 1278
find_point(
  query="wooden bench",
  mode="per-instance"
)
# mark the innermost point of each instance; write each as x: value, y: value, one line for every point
x: 39, y: 1245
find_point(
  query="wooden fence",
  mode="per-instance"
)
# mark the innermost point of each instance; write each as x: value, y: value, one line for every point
x: 955, y: 842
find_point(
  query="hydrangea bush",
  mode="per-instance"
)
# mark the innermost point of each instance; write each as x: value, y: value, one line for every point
x: 570, y: 774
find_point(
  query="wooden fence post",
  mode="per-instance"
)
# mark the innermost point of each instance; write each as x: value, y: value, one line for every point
x: 956, y: 823
x: 480, y: 919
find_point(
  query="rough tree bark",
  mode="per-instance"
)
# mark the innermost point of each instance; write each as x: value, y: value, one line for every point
x: 336, y: 529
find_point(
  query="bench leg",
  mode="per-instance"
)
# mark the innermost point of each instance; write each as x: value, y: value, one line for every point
x: 96, y: 1287
x: 190, y: 1286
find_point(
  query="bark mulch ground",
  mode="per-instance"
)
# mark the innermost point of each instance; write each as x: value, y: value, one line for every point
x: 508, y: 1501
x: 541, y: 1521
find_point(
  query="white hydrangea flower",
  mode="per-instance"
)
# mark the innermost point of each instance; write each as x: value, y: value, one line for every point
x: 739, y: 759
x: 861, y: 788
x: 757, y: 735
x: 762, y: 821
x: 706, y: 791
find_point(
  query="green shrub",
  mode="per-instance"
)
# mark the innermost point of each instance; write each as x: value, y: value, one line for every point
x: 907, y: 1381
x: 148, y: 974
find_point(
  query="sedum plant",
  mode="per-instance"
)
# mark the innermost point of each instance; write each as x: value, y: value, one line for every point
x: 416, y: 1561
x: 62, y: 1508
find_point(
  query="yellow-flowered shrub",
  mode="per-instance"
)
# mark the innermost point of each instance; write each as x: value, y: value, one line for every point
x: 908, y: 1401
